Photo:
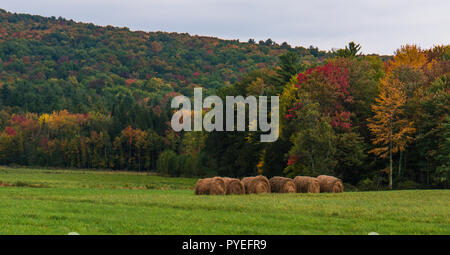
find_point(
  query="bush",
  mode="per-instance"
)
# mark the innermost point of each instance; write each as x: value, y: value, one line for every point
x: 349, y: 187
x: 367, y: 184
x: 408, y: 184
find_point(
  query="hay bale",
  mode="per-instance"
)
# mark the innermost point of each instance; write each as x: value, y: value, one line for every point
x: 232, y: 185
x: 282, y: 185
x: 202, y: 187
x: 330, y: 184
x: 256, y: 185
x: 217, y: 187
x: 210, y: 186
x: 306, y: 184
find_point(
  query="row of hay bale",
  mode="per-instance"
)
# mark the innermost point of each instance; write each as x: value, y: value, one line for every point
x: 260, y: 184
x: 219, y: 186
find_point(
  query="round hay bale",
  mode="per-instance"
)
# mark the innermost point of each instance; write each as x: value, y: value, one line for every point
x: 217, y: 187
x: 306, y: 184
x: 330, y: 184
x: 202, y: 187
x: 256, y: 185
x: 210, y: 186
x: 282, y: 185
x: 232, y: 186
x: 338, y: 187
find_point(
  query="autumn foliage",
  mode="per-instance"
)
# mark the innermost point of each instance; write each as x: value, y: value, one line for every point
x: 86, y: 96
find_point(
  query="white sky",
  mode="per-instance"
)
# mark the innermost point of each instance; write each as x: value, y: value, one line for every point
x: 380, y: 26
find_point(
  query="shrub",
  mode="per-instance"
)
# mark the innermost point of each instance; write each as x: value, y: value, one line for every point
x: 408, y: 184
x: 349, y: 187
x: 367, y: 184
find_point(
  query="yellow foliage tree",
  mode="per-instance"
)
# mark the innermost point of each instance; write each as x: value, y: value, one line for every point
x: 410, y: 56
x: 391, y: 129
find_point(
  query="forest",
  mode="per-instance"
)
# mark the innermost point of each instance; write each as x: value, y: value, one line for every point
x: 77, y: 95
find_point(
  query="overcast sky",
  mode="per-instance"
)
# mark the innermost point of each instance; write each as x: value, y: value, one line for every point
x: 380, y: 26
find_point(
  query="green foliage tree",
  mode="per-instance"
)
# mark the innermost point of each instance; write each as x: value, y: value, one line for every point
x: 350, y: 51
x: 289, y: 65
x: 167, y: 163
x: 313, y: 147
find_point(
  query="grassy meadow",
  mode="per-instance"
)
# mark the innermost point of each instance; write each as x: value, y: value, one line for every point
x: 43, y: 201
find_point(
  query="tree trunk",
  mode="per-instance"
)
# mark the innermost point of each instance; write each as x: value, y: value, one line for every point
x: 404, y: 163
x: 400, y: 164
x: 390, y: 164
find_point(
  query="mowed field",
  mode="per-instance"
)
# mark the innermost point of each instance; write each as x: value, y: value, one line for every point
x: 42, y: 201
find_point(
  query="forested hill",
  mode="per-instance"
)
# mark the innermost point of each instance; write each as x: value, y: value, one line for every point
x: 39, y: 49
x: 75, y: 94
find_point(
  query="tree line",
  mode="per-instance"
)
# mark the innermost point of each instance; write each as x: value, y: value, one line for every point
x: 79, y: 95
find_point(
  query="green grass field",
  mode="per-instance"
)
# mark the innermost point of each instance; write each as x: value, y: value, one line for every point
x: 40, y: 201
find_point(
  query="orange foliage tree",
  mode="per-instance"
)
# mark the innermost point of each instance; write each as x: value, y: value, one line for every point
x: 391, y: 129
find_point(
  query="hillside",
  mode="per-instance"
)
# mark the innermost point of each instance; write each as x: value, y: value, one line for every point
x: 42, y: 51
x: 98, y: 81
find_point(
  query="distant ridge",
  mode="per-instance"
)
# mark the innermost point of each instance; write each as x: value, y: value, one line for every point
x: 70, y: 48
